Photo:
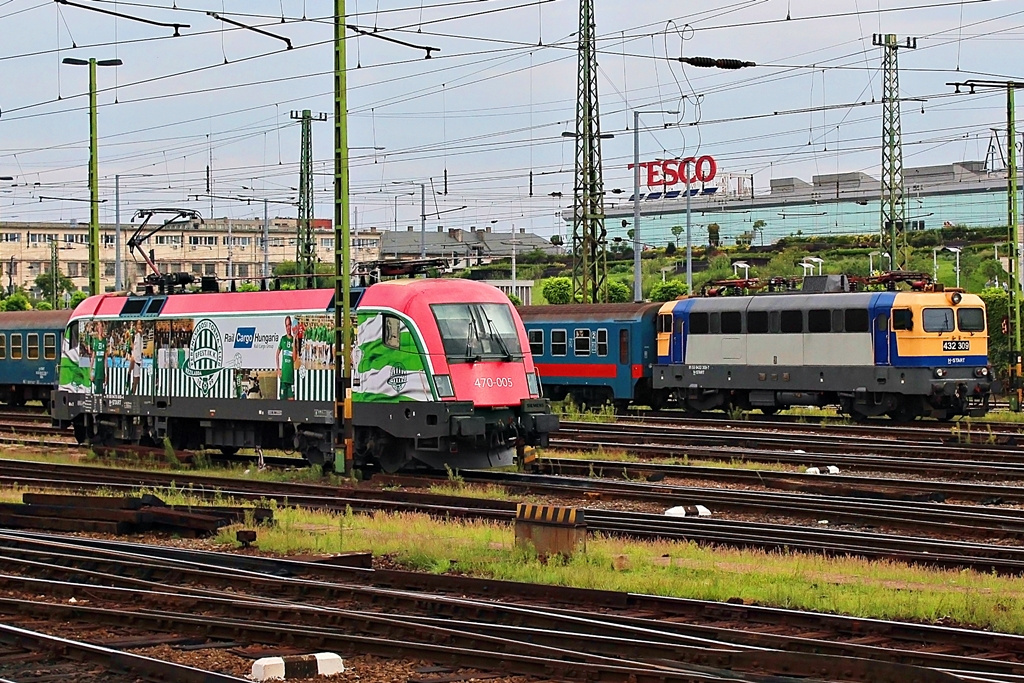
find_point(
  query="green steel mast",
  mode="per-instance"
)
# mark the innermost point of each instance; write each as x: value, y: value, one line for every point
x: 893, y: 207
x: 589, y: 238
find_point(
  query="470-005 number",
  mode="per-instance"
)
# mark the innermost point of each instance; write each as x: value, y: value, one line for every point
x: 492, y: 382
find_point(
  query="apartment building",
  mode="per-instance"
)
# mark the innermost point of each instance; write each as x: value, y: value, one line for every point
x: 225, y: 248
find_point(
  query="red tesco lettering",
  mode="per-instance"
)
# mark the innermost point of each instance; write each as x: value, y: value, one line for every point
x: 668, y: 172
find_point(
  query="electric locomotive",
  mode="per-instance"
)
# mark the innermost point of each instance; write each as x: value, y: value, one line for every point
x: 441, y: 374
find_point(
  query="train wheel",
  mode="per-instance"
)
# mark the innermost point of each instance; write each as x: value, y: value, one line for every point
x: 81, y: 432
x: 228, y: 451
x: 769, y: 411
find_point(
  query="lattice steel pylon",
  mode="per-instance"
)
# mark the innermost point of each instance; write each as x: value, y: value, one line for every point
x: 305, y: 245
x: 893, y: 206
x: 589, y: 238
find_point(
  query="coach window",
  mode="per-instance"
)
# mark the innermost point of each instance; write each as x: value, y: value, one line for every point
x: 792, y: 322
x: 581, y: 342
x: 902, y: 319
x: 16, y: 351
x: 3, y: 346
x: 558, y: 345
x: 732, y: 322
x: 699, y: 323
x: 970, y: 319
x: 938, y: 320
x: 602, y: 342
x: 536, y: 342
x: 757, y: 322
x: 49, y: 346
x: 857, y: 320
x: 33, y: 346
x: 715, y: 323
x: 819, y: 320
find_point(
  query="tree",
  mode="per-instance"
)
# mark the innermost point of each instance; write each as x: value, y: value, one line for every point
x: 556, y: 240
x: 677, y: 230
x: 44, y: 281
x: 516, y: 301
x: 17, y: 302
x: 667, y: 290
x: 713, y: 235
x: 248, y: 287
x: 759, y: 226
x: 619, y: 292
x: 670, y: 249
x: 557, y: 290
x: 77, y: 297
x: 44, y: 306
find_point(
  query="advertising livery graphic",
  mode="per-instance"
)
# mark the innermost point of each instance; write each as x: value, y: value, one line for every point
x: 389, y: 361
x: 279, y: 357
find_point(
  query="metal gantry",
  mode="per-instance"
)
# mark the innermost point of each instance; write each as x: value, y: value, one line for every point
x: 589, y: 238
x: 893, y: 207
x: 305, y: 245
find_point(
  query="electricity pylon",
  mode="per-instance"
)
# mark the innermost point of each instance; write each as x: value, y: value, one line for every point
x: 305, y: 245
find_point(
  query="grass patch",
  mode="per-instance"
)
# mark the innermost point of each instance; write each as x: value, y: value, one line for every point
x: 569, y: 410
x: 887, y: 590
x: 622, y: 456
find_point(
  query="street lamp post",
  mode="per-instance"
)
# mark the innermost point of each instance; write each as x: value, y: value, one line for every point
x: 638, y: 295
x: 94, y: 192
x: 956, y: 250
x: 935, y: 263
x: 423, y: 213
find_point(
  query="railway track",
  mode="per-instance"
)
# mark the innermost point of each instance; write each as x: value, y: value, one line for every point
x: 555, y: 632
x: 1006, y: 559
x: 864, y: 453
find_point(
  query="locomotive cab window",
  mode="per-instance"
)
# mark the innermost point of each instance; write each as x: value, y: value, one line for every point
x: 581, y: 342
x: 477, y: 332
x: 33, y: 346
x: 602, y: 342
x: 665, y: 323
x: 559, y: 347
x: 3, y: 346
x: 392, y: 332
x: 970, y: 319
x: 50, y: 346
x: 938, y: 320
x: 16, y: 346
x: 536, y: 342
x: 902, y: 319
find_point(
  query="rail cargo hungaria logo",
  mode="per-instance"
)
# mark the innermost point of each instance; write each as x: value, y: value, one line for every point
x: 205, y: 354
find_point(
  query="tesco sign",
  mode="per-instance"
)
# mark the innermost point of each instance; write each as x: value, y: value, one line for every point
x: 665, y: 172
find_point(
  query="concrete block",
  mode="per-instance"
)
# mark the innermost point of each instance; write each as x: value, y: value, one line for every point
x: 300, y: 666
x: 268, y: 669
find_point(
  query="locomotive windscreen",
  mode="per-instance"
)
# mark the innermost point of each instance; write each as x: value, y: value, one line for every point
x: 472, y: 332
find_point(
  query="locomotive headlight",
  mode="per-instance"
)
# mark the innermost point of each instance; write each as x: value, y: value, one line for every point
x: 956, y: 298
x: 940, y: 372
x: 533, y: 384
x: 981, y: 372
x: 443, y: 385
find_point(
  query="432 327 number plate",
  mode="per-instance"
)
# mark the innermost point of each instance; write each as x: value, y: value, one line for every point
x: 957, y: 345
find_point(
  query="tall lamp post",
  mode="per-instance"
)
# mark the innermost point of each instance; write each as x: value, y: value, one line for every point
x: 94, y: 191
x: 423, y: 213
x: 638, y: 295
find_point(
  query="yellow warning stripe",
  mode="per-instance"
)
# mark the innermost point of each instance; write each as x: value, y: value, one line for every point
x: 551, y: 514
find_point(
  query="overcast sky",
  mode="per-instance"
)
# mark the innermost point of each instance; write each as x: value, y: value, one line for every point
x: 489, y: 107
